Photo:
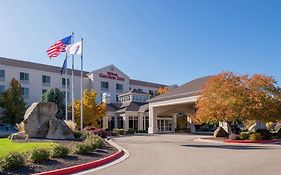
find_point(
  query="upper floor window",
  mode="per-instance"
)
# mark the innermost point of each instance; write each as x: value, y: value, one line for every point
x: 46, y: 80
x: 104, y: 85
x: 2, y: 88
x: 24, y: 77
x: 2, y: 75
x: 63, y: 81
x: 25, y: 92
x: 119, y: 87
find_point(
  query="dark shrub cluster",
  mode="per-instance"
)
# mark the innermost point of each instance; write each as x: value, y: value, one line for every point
x: 39, y: 155
x: 59, y: 151
x: 11, y: 161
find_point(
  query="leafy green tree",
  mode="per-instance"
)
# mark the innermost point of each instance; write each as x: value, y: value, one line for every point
x: 12, y: 103
x: 58, y: 97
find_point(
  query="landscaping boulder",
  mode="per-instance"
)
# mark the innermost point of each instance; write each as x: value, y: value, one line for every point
x: 18, y: 136
x: 220, y: 132
x: 37, y: 117
x: 277, y: 127
x: 278, y: 133
x: 256, y: 126
x: 233, y: 137
x: 59, y: 130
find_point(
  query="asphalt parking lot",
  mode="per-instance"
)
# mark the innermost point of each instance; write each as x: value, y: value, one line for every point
x: 173, y: 154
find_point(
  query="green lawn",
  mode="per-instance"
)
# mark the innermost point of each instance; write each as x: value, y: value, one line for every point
x: 7, y: 146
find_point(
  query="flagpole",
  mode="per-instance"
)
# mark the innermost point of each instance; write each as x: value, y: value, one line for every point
x: 81, y: 86
x: 66, y: 99
x: 72, y: 82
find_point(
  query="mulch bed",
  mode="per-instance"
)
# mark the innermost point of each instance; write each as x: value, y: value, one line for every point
x: 70, y: 160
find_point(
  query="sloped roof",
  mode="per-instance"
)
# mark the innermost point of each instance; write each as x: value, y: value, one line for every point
x: 146, y: 84
x: 36, y: 66
x: 134, y: 91
x: 131, y: 106
x: 112, y: 107
x: 191, y: 88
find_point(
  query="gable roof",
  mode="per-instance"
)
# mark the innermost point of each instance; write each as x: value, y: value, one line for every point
x: 111, y: 66
x: 189, y: 89
x: 36, y: 66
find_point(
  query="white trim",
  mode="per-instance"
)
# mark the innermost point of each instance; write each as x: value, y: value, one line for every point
x: 174, y: 101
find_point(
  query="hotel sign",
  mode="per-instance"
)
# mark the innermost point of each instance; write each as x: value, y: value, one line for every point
x: 112, y: 76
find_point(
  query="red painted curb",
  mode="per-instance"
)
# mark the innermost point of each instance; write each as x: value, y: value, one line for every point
x: 252, y: 141
x: 82, y: 167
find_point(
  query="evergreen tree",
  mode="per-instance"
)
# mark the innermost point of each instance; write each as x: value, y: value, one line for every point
x: 12, y: 103
x: 58, y: 97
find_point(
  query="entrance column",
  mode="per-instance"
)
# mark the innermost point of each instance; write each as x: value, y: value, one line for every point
x: 174, y: 126
x: 152, y: 120
x: 126, y: 122
x: 115, y: 121
x: 140, y: 118
x: 105, y: 122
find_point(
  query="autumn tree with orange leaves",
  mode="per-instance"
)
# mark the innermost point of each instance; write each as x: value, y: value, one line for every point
x: 92, y: 112
x: 228, y: 97
x: 162, y: 90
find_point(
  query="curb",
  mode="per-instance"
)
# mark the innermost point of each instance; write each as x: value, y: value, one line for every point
x: 89, y: 165
x: 207, y: 141
x: 253, y: 141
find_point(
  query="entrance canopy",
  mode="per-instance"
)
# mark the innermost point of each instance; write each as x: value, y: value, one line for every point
x: 179, y: 100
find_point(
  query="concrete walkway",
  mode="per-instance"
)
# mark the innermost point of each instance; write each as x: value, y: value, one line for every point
x: 180, y: 155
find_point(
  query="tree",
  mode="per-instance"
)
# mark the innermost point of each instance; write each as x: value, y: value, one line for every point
x: 162, y: 90
x: 92, y: 112
x: 229, y: 97
x: 12, y: 102
x: 58, y: 97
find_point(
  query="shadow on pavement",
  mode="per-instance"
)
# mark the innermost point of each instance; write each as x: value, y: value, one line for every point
x: 232, y: 147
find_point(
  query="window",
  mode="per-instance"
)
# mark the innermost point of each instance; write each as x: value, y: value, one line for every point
x: 46, y: 80
x: 145, y: 122
x: 117, y: 99
x: 25, y: 92
x: 24, y: 77
x: 68, y: 96
x: 120, y: 122
x: 119, y: 87
x: 63, y: 82
x: 2, y: 75
x: 150, y: 92
x: 104, y: 85
x: 43, y: 91
x: 2, y: 88
x: 133, y: 122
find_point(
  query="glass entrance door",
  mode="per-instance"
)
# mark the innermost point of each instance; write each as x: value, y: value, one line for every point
x: 164, y: 124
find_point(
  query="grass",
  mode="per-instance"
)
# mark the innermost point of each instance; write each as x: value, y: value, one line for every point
x: 7, y: 146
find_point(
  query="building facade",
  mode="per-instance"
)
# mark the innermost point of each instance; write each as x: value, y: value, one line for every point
x: 36, y: 79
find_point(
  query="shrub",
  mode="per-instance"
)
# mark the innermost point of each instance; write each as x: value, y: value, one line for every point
x: 97, y: 131
x: 11, y: 161
x: 59, y: 151
x: 72, y: 125
x: 81, y: 148
x: 255, y: 136
x: 266, y: 135
x: 100, y: 132
x: 117, y: 131
x: 77, y: 134
x: 244, y: 135
x: 141, y: 131
x: 95, y: 141
x: 39, y: 155
x: 130, y: 131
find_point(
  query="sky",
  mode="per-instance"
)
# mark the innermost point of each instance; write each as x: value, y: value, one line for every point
x: 161, y: 41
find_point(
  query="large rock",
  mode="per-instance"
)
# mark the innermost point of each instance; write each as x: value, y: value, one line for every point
x: 220, y: 132
x: 256, y: 126
x: 37, y: 117
x: 59, y: 130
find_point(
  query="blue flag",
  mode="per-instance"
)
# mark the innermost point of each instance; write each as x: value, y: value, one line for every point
x: 64, y: 67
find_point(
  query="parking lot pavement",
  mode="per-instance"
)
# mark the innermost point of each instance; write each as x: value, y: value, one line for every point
x: 173, y: 154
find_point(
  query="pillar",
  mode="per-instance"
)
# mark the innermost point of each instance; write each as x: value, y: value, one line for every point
x: 126, y: 122
x: 174, y: 122
x: 140, y: 118
x: 152, y: 121
x: 105, y: 122
x: 115, y: 121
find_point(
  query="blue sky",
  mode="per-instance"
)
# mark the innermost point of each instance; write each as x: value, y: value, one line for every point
x: 161, y: 41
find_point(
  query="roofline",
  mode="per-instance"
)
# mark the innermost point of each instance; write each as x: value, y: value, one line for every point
x: 34, y: 66
x: 173, y: 96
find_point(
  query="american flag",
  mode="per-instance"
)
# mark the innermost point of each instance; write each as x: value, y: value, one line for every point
x: 59, y: 47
